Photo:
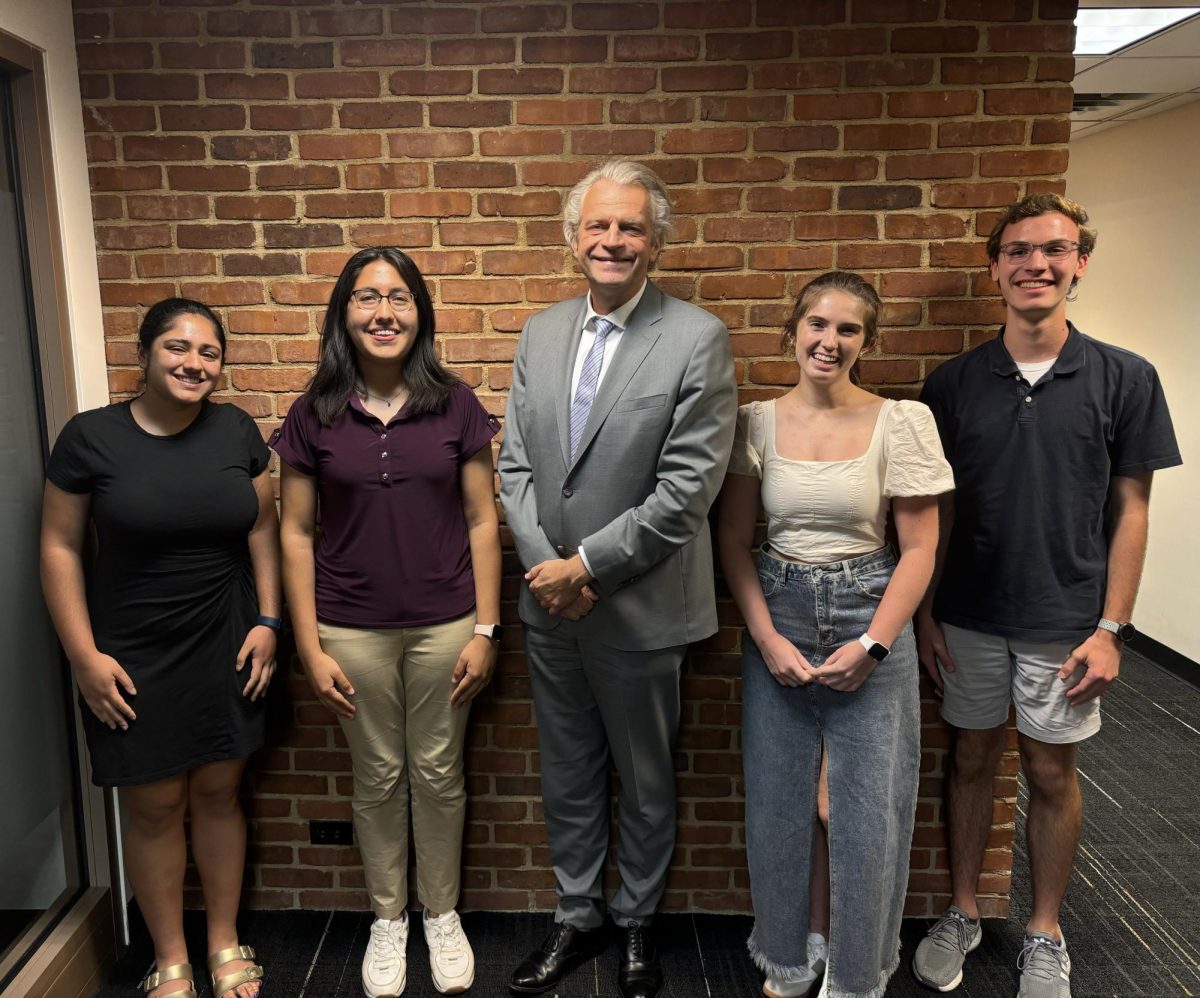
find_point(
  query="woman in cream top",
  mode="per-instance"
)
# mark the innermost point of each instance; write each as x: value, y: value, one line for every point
x: 829, y: 664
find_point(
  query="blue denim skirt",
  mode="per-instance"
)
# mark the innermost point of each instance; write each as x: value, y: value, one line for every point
x: 872, y: 738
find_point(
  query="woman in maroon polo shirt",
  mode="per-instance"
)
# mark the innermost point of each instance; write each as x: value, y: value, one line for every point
x: 395, y: 601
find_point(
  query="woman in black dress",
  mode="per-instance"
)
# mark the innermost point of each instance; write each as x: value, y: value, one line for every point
x: 172, y: 634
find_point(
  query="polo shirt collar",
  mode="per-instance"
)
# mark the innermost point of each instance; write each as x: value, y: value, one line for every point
x: 1070, y: 359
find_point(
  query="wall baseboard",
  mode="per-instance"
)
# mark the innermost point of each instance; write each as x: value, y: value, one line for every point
x: 1167, y: 658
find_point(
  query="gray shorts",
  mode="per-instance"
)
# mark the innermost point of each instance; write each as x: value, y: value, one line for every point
x: 993, y: 670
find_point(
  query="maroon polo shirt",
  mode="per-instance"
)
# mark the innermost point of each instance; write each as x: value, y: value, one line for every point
x: 392, y: 550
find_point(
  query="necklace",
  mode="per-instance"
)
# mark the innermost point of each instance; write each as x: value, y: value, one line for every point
x: 379, y: 398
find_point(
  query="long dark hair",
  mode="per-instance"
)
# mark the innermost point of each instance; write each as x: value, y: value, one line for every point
x: 337, y: 375
x: 162, y: 317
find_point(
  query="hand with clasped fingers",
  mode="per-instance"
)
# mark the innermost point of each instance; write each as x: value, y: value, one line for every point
x: 101, y: 679
x: 784, y: 661
x: 847, y: 668
x: 1099, y: 658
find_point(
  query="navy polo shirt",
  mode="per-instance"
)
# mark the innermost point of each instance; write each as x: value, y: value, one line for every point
x: 1027, y: 555
x: 393, y: 549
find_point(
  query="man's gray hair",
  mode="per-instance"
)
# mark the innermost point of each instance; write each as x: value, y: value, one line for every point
x: 627, y: 173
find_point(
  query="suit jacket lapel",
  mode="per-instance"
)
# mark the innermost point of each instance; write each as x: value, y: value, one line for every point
x: 566, y: 367
x: 637, y: 339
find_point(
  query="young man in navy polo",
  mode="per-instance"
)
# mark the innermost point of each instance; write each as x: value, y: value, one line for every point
x: 1053, y: 437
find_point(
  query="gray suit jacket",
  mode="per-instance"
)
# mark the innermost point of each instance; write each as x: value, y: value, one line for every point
x: 649, y: 466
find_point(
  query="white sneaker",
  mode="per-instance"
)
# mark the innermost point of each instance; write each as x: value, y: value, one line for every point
x: 450, y: 958
x: 773, y: 987
x: 385, y: 963
x: 817, y: 952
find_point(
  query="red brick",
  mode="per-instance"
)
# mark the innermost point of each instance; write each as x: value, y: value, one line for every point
x: 115, y: 55
x: 384, y: 115
x: 825, y: 227
x: 452, y: 175
x: 475, y: 292
x: 981, y: 133
x: 878, y: 197
x: 127, y: 118
x: 245, y: 86
x: 958, y: 254
x: 744, y: 46
x: 989, y: 10
x: 1055, y: 69
x: 836, y: 107
x: 939, y: 39
x: 154, y: 24
x: 932, y: 103
x: 922, y: 341
x: 290, y: 176
x: 388, y: 52
x: 524, y: 17
x: 211, y: 236
x: 94, y: 86
x: 248, y: 24
x: 568, y: 49
x: 292, y: 236
x: 1031, y: 38
x: 251, y: 147
x: 344, y: 84
x: 729, y: 14
x: 842, y: 42
x: 201, y: 55
x: 614, y: 80
x: 754, y: 109
x: 470, y: 114
x: 703, y: 78
x: 431, y: 145
x: 472, y: 51
x: 926, y: 285
x: 343, y: 205
x: 692, y: 258
x: 791, y: 258
x: 553, y: 174
x: 1028, y: 100
x: 702, y: 140
x: 888, y: 136
x: 436, y: 204
x: 167, y: 206
x: 553, y: 289
x: 960, y: 313
x: 989, y: 69
x: 100, y: 148
x: 615, y: 142
x: 281, y: 55
x: 751, y: 171
x: 386, y: 176
x: 894, y: 10
x: 1026, y: 163
x: 302, y: 351
x: 675, y: 109
x: 796, y: 137
x: 290, y: 117
x: 614, y: 16
x: 930, y: 166
x: 560, y: 112
x: 889, y: 72
x: 162, y: 147
x: 520, y: 81
x: 973, y: 195
x: 263, y: 206
x: 798, y: 75
x: 652, y: 48
x: 827, y: 168
x: 201, y: 118
x: 140, y: 294
x: 1046, y: 130
x: 224, y: 292
x: 307, y: 292
x: 742, y: 286
x: 266, y: 322
x: 326, y: 145
x: 509, y: 143
x: 477, y: 233
x: 806, y: 198
x: 432, y: 262
x: 859, y: 256
x: 361, y: 20
x: 132, y: 237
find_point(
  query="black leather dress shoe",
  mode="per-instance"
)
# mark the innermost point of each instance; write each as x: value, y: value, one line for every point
x: 564, y: 949
x: 640, y: 975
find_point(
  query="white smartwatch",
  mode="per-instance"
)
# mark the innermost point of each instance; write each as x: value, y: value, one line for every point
x: 490, y: 631
x: 874, y: 648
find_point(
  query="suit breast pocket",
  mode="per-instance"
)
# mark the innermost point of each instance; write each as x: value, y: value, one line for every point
x: 645, y: 402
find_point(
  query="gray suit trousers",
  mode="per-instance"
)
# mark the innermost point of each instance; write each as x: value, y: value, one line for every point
x: 591, y: 700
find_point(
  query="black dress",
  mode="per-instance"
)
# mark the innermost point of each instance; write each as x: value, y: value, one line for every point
x: 171, y: 593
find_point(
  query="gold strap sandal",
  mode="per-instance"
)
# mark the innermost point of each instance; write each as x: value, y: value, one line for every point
x: 179, y: 972
x: 223, y: 985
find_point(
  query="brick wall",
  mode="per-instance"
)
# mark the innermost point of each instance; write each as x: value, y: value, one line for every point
x: 240, y: 150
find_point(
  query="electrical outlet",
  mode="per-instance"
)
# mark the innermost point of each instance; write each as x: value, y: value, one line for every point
x: 330, y: 833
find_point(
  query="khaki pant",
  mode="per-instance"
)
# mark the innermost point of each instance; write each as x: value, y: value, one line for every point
x: 405, y: 737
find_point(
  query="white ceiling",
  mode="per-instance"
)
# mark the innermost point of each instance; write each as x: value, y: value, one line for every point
x: 1148, y: 77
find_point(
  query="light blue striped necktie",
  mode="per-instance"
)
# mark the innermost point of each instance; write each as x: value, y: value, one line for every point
x: 589, y: 378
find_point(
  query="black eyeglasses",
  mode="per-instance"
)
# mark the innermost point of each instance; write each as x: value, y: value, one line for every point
x: 1055, y: 249
x: 369, y: 299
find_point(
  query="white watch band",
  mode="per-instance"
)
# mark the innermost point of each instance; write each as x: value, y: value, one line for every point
x: 867, y: 641
x: 484, y: 630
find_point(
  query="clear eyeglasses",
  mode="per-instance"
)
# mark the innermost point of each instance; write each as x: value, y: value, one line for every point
x: 1055, y: 249
x: 369, y: 299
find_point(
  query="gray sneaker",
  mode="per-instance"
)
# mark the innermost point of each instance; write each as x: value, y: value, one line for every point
x: 938, y: 962
x: 1045, y: 967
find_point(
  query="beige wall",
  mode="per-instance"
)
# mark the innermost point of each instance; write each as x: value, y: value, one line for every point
x: 47, y: 24
x: 1142, y: 291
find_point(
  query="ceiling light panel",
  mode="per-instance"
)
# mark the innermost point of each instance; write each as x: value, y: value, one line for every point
x: 1104, y: 30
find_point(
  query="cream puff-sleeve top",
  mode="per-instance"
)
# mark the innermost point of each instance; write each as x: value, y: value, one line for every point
x: 825, y: 511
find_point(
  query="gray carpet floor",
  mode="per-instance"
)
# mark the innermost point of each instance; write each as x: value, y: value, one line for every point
x: 1131, y: 918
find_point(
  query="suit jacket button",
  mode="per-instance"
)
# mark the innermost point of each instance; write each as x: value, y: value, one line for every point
x: 567, y: 493
x: 561, y: 550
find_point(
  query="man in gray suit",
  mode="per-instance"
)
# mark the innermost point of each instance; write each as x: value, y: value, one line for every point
x: 618, y: 429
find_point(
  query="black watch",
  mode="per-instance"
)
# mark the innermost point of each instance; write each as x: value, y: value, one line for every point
x: 874, y: 648
x: 1124, y: 632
